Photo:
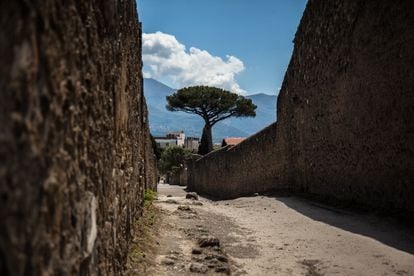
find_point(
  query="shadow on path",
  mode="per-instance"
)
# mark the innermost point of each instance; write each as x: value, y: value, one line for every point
x: 383, y: 229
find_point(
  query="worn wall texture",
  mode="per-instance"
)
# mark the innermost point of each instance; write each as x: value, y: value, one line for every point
x: 73, y: 136
x: 254, y: 165
x: 151, y: 171
x: 347, y: 102
x: 345, y: 112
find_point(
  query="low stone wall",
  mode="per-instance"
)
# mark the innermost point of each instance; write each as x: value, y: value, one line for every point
x: 185, y: 175
x: 254, y: 165
x: 174, y: 178
x: 345, y: 113
x: 72, y: 137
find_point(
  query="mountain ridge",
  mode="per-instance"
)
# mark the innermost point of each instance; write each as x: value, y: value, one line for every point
x: 162, y: 121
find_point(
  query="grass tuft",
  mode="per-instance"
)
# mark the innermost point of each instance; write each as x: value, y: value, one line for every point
x: 149, y: 197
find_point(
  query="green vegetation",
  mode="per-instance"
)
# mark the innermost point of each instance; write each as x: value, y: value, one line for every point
x: 172, y: 159
x: 143, y: 247
x: 216, y: 147
x: 136, y: 252
x: 213, y: 105
x: 149, y: 197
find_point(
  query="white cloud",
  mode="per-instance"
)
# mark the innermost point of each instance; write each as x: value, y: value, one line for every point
x: 167, y: 59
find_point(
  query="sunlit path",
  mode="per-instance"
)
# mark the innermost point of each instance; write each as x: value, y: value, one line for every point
x: 264, y: 235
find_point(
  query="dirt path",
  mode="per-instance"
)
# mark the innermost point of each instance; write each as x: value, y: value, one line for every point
x: 277, y: 236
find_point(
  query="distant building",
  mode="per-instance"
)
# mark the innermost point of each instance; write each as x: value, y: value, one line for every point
x: 232, y: 141
x: 179, y: 136
x: 192, y: 143
x: 178, y: 139
x: 164, y: 142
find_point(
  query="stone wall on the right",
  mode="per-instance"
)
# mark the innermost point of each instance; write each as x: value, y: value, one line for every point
x: 346, y: 107
x: 345, y: 112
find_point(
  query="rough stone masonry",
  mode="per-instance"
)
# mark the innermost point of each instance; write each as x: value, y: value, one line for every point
x: 73, y: 138
x: 345, y: 113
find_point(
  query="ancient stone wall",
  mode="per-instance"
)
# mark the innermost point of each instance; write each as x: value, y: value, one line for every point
x: 72, y: 137
x: 345, y: 113
x: 188, y: 168
x: 346, y: 103
x: 254, y: 165
x: 151, y: 171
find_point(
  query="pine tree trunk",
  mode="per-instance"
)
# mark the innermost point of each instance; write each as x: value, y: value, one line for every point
x: 206, y: 144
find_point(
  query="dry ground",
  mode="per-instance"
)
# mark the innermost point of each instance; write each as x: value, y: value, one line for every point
x: 273, y: 236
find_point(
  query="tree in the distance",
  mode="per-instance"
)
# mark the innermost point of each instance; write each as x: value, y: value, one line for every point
x: 213, y: 105
x: 172, y: 158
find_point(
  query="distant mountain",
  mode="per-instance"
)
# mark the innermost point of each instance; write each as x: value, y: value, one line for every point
x: 265, y: 114
x: 162, y: 121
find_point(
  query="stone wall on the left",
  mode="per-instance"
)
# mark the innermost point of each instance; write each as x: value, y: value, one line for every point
x: 73, y: 136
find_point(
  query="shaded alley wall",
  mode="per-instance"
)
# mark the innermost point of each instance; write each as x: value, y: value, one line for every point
x: 73, y: 136
x: 345, y: 111
x: 347, y: 100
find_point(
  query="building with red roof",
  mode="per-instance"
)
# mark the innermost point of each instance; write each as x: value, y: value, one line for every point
x: 232, y: 141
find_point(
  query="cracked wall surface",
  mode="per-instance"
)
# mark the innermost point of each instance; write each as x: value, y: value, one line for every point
x: 74, y: 139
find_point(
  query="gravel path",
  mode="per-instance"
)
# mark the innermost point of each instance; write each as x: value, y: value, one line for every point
x: 280, y: 236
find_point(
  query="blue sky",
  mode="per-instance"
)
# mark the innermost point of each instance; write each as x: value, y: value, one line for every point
x: 240, y: 45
